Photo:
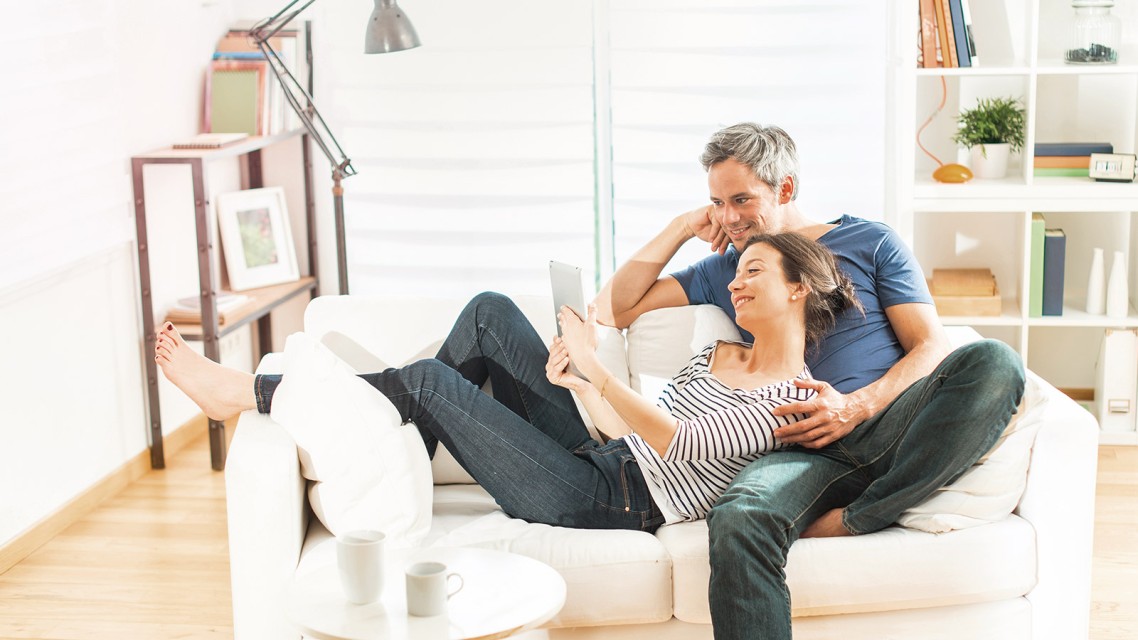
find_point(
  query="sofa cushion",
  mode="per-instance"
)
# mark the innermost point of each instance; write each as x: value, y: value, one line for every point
x: 661, y: 342
x: 367, y: 470
x: 991, y: 488
x: 895, y: 568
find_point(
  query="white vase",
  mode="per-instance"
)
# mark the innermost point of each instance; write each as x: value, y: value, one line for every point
x: 990, y: 160
x: 1117, y: 289
x: 1096, y: 298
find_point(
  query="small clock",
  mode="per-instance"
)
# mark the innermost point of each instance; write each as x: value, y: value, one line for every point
x: 1112, y: 167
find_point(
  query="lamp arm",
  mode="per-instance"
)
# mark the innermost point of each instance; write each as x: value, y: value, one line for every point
x: 298, y: 98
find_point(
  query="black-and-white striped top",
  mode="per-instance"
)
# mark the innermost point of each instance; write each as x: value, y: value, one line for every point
x: 719, y: 430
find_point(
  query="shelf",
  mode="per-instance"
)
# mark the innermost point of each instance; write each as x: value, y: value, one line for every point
x: 1009, y: 317
x: 252, y: 143
x: 1013, y: 194
x: 263, y: 301
x: 1055, y: 66
x: 998, y: 70
x: 1125, y: 438
x: 1075, y: 317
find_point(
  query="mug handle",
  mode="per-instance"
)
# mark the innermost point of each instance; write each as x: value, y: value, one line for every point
x: 461, y: 584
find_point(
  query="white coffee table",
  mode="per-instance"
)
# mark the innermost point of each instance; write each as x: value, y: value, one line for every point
x: 503, y: 594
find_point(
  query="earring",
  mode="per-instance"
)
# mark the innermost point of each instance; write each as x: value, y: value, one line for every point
x: 794, y: 297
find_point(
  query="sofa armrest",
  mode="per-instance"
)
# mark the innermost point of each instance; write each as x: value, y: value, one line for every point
x: 1059, y: 503
x: 266, y: 501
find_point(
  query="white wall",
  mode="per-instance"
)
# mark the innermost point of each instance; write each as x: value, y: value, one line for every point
x: 97, y: 81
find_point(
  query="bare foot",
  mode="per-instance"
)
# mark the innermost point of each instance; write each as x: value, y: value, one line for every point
x: 219, y: 391
x: 828, y: 526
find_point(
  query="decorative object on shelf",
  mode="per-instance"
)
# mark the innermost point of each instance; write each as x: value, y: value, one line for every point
x: 256, y: 238
x: 965, y: 292
x: 1095, y: 33
x: 1112, y: 167
x: 1096, y: 297
x: 388, y: 30
x: 991, y: 130
x: 1117, y: 288
x: 951, y: 173
x: 1116, y: 378
x: 210, y: 140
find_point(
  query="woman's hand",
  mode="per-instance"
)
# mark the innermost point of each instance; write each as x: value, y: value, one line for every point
x: 579, y: 336
x: 557, y: 369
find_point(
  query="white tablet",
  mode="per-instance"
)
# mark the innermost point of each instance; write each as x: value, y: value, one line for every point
x: 568, y: 290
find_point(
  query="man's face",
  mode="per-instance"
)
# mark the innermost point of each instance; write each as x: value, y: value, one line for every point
x: 744, y: 205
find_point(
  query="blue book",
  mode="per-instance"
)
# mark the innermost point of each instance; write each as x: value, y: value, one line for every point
x: 959, y: 33
x: 1072, y: 148
x: 1054, y: 261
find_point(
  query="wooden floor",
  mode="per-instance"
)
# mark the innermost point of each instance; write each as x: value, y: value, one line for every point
x: 152, y: 563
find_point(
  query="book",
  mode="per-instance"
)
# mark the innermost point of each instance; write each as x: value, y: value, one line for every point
x: 188, y: 310
x: 942, y: 34
x: 957, y: 15
x: 972, y: 57
x: 211, y: 140
x: 1061, y: 172
x: 949, y: 44
x: 928, y: 34
x: 1062, y: 162
x: 1035, y: 282
x: 1116, y: 378
x: 1072, y: 148
x: 1054, y: 264
x: 235, y: 97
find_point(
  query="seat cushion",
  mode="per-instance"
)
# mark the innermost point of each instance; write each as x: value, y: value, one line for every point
x: 895, y: 568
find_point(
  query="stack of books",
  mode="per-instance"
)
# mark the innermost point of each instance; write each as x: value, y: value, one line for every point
x: 1067, y: 158
x: 1048, y: 266
x: 242, y: 94
x: 945, y: 35
x: 189, y: 310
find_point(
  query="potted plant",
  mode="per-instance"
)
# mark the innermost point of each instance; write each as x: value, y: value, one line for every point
x: 991, y: 130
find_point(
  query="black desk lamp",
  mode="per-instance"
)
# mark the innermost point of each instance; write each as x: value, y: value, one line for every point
x: 388, y: 30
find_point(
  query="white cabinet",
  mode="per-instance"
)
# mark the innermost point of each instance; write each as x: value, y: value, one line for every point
x: 986, y: 223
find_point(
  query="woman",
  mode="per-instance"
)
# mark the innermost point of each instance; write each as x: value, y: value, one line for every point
x: 528, y: 447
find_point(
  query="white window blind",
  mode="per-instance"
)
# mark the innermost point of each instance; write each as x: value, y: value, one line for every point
x: 682, y: 70
x: 64, y: 193
x: 474, y: 152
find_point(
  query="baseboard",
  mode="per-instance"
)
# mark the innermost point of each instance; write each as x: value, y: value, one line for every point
x: 27, y: 541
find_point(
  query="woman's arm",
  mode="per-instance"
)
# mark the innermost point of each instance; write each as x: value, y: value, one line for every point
x: 605, y: 419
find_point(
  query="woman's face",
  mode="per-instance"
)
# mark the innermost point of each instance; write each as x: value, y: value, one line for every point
x: 760, y: 288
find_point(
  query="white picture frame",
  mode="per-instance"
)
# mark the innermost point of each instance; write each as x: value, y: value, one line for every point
x: 256, y: 238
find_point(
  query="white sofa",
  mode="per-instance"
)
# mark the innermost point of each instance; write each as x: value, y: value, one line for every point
x: 1024, y: 576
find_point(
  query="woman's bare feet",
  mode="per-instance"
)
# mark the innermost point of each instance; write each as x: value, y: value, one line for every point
x: 828, y: 526
x: 219, y: 391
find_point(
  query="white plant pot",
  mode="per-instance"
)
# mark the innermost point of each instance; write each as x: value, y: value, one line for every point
x: 990, y: 160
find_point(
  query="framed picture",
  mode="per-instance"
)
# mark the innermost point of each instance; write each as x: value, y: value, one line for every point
x: 256, y: 238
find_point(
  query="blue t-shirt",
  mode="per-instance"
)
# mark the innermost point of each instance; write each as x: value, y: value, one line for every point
x: 858, y: 350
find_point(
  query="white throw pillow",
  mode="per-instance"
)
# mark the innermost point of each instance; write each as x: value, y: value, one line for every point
x: 661, y: 342
x: 991, y: 489
x: 368, y: 471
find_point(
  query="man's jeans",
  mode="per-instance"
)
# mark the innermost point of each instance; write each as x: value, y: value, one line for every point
x: 925, y: 439
x: 526, y: 445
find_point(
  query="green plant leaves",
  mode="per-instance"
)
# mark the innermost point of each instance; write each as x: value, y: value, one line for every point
x: 994, y: 120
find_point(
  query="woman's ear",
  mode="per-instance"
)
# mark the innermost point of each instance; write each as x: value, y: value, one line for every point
x: 798, y: 289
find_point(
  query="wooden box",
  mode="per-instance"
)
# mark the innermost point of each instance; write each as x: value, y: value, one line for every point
x: 965, y: 292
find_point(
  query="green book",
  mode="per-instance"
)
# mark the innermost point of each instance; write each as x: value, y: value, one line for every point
x: 233, y: 101
x: 1035, y: 284
x: 1055, y: 171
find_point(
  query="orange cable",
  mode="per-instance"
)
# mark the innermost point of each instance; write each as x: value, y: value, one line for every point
x: 943, y: 100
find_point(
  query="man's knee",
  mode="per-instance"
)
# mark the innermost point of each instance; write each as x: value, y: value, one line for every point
x: 745, y: 524
x: 993, y: 364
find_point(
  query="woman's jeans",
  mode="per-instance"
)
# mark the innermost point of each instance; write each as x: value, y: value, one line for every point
x: 526, y: 445
x: 924, y: 440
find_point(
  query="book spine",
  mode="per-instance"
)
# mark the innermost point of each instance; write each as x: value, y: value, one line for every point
x: 1072, y: 148
x: 928, y: 34
x: 972, y: 57
x: 959, y: 37
x: 949, y: 37
x: 942, y: 34
x: 1061, y: 172
x: 1063, y: 162
x: 1054, y: 261
x: 1035, y: 284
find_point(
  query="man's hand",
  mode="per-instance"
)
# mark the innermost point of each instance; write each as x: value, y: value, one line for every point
x: 830, y: 416
x: 702, y: 223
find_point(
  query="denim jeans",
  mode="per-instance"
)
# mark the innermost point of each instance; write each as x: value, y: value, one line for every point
x: 526, y: 445
x: 926, y: 438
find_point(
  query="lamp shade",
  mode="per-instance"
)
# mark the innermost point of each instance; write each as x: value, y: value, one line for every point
x: 389, y: 30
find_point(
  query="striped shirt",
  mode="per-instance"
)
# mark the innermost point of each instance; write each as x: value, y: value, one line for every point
x: 719, y: 431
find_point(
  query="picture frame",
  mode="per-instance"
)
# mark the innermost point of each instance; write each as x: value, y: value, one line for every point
x: 256, y: 238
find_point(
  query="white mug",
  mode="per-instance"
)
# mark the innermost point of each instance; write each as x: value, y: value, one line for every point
x: 427, y: 591
x: 359, y: 555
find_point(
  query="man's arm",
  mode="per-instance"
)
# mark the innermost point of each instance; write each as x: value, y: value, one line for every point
x: 833, y: 415
x: 637, y: 287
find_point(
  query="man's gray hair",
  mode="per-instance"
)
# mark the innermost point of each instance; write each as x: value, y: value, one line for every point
x: 768, y: 151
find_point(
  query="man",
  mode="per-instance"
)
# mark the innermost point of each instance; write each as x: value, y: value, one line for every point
x: 896, y: 416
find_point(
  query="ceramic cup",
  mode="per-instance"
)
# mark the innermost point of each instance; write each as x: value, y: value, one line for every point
x: 428, y: 588
x: 359, y: 555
